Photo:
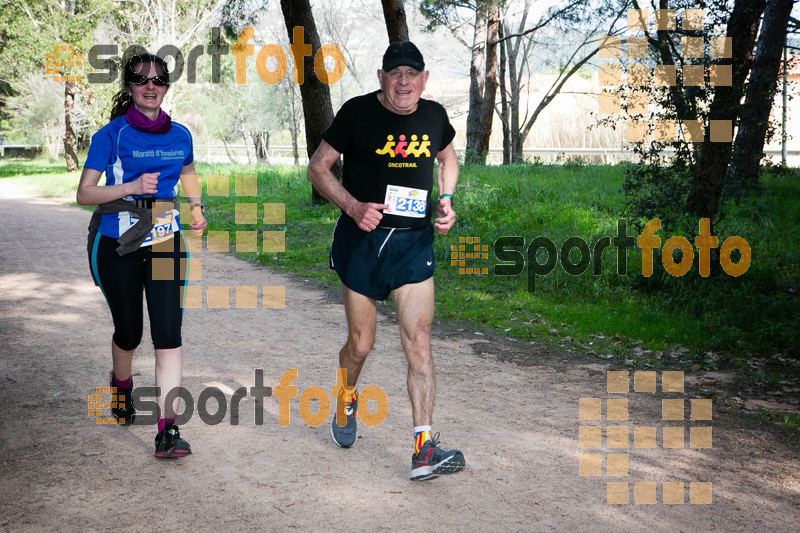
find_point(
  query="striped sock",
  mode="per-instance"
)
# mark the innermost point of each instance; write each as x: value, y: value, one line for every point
x: 349, y: 394
x: 421, y: 434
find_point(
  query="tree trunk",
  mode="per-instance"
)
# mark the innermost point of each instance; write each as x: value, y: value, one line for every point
x: 504, y: 111
x: 228, y: 152
x: 785, y: 99
x: 70, y: 150
x: 243, y: 132
x: 295, y: 153
x: 395, y: 15
x: 749, y: 146
x: 483, y: 82
x: 490, y: 94
x: 664, y: 45
x: 714, y: 157
x: 294, y: 123
x: 261, y: 143
x: 316, y: 95
x: 477, y: 80
x: 259, y: 148
x: 514, y: 79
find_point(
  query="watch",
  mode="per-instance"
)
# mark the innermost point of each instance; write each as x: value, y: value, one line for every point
x: 201, y: 206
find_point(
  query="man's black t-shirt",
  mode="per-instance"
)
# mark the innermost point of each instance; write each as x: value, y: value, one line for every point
x: 383, y: 149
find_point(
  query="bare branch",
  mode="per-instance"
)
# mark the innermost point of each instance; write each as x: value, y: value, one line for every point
x: 554, y: 90
x: 542, y: 22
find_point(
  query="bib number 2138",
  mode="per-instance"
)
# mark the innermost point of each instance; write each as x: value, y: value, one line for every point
x: 405, y: 201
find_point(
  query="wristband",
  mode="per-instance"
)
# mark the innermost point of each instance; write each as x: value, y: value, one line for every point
x: 446, y: 196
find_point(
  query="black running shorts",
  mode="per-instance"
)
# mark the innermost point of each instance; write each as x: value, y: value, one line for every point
x: 123, y: 279
x: 374, y: 263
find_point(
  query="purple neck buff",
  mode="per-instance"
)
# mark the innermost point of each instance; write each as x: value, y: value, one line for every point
x: 142, y: 122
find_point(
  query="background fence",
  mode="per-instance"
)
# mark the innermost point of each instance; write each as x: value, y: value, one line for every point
x: 283, y: 155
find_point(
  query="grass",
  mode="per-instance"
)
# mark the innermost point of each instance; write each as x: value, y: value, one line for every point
x: 40, y: 177
x: 751, y: 315
x: 757, y: 314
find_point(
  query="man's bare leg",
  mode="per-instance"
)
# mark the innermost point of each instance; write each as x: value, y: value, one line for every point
x: 414, y: 303
x: 361, y: 321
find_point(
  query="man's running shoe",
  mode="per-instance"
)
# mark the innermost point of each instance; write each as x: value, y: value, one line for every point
x: 124, y: 412
x: 170, y: 445
x: 432, y: 461
x: 345, y: 436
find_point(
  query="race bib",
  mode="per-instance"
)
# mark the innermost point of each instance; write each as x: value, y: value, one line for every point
x: 165, y: 226
x: 405, y: 201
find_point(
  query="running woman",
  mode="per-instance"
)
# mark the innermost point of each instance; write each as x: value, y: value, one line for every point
x: 383, y: 240
x: 135, y: 244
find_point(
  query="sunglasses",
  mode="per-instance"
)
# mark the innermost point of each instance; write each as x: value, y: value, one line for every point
x: 159, y: 81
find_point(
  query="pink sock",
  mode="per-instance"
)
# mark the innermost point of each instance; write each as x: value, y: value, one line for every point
x: 163, y: 422
x: 123, y: 384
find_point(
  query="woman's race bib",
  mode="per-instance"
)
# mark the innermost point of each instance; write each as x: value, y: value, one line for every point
x: 164, y: 226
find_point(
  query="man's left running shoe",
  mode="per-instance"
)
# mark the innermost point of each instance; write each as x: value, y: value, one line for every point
x: 432, y: 461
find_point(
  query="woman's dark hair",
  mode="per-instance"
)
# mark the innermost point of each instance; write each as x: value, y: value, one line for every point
x: 122, y: 100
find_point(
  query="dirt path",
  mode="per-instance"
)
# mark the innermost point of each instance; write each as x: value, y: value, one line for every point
x: 517, y: 425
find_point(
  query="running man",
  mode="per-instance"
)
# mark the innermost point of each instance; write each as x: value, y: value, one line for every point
x: 383, y: 240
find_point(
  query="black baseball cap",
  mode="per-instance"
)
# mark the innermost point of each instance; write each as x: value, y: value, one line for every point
x: 402, y: 53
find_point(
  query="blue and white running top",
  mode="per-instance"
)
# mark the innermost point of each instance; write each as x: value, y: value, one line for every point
x: 125, y: 153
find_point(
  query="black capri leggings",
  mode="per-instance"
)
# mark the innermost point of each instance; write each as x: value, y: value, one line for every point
x: 122, y: 278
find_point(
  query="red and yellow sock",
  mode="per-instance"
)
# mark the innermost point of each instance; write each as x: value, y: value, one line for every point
x: 346, y: 395
x: 421, y: 434
x: 349, y: 394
